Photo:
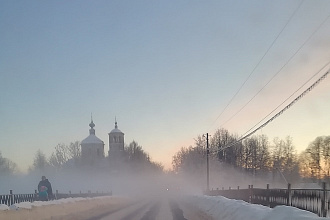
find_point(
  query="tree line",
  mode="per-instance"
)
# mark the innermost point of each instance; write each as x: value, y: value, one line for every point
x: 65, y: 157
x: 69, y: 156
x: 258, y: 156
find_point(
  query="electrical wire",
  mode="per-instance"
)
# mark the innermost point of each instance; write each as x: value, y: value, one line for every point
x: 328, y: 63
x: 261, y: 59
x: 315, y: 31
x: 278, y: 114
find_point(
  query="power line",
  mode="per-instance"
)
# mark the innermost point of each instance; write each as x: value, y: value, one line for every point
x: 289, y: 97
x: 316, y: 30
x: 280, y: 112
x: 257, y: 65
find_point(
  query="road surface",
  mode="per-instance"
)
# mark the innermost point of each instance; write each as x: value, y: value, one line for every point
x: 162, y: 208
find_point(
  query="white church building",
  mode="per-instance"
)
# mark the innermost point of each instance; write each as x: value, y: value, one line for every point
x: 92, y: 148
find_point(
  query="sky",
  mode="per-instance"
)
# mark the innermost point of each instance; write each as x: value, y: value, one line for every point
x: 165, y: 69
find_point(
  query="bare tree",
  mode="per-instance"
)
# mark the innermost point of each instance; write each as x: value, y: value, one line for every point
x: 285, y: 159
x: 64, y: 153
x: 314, y: 151
x: 316, y: 159
x: 326, y: 156
x: 247, y: 153
x: 59, y: 157
x: 278, y: 155
x: 305, y: 162
x: 74, y: 150
x: 189, y: 160
x: 290, y: 160
x: 178, y: 159
x: 219, y: 140
x: 263, y: 161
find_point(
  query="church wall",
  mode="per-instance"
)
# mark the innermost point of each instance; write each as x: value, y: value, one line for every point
x: 90, y: 153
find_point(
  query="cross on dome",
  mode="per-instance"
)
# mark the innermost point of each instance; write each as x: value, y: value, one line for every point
x: 92, y: 125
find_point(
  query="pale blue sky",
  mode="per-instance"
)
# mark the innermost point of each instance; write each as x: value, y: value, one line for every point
x: 166, y: 69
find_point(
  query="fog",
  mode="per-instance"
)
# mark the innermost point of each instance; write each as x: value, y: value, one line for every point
x: 147, y: 192
x: 130, y: 184
x: 133, y: 183
x: 225, y: 175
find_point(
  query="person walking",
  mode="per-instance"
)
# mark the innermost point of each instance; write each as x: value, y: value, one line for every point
x: 45, y: 189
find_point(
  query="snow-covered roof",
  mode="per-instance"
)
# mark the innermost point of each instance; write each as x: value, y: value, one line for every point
x: 116, y: 130
x: 92, y: 139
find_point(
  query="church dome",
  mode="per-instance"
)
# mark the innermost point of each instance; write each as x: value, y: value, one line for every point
x: 116, y: 130
x: 92, y: 139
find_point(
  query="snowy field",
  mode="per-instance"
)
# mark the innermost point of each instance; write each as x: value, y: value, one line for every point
x: 215, y: 207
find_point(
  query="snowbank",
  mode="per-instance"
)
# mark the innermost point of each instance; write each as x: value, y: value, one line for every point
x: 29, y: 205
x: 3, y: 207
x: 70, y: 208
x: 219, y: 207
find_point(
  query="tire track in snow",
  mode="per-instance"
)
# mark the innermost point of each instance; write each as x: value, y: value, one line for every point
x: 135, y: 213
x: 152, y: 213
x: 111, y: 212
x: 176, y: 211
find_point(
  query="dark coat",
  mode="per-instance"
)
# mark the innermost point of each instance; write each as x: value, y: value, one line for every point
x: 48, y: 185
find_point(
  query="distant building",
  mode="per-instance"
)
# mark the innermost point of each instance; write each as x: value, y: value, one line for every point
x: 92, y: 148
x: 116, y: 143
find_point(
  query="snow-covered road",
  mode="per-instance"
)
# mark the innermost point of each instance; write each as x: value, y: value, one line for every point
x: 162, y: 208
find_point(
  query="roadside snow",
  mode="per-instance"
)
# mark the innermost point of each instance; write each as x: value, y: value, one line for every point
x: 3, y: 207
x: 219, y: 207
x: 70, y: 208
x: 29, y: 205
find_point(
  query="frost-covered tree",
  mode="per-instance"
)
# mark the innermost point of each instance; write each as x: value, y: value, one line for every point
x: 40, y: 161
x: 6, y: 166
x: 138, y: 160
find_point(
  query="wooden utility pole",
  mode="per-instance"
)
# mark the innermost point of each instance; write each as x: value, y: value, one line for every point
x: 207, y: 162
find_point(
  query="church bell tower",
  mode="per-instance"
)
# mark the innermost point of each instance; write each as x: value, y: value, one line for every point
x: 116, y: 142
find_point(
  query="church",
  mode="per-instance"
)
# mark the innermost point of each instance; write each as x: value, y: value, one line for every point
x: 92, y: 148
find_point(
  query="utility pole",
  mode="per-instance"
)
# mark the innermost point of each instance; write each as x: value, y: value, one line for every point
x: 207, y: 162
